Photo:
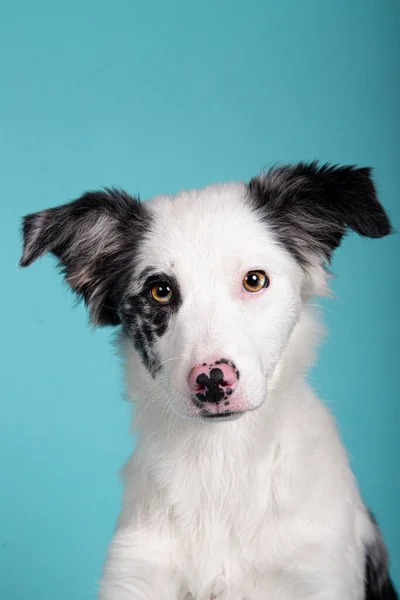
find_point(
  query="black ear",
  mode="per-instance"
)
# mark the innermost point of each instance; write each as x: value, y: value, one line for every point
x: 311, y: 207
x: 95, y: 239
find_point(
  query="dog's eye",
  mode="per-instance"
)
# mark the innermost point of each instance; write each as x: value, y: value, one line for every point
x: 255, y: 281
x: 161, y: 292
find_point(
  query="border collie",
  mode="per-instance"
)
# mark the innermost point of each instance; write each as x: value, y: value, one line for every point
x: 239, y: 487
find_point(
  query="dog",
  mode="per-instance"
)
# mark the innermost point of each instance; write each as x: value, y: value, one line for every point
x: 240, y: 487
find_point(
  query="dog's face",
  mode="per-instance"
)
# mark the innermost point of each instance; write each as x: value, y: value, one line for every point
x: 212, y: 302
x: 208, y: 285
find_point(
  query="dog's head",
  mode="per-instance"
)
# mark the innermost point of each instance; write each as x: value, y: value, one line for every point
x: 208, y: 285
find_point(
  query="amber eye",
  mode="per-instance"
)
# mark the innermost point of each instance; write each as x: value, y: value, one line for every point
x: 161, y: 292
x: 255, y: 281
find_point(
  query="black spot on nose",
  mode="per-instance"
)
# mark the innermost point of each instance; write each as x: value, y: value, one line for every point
x: 203, y: 380
x: 213, y: 392
x: 216, y: 376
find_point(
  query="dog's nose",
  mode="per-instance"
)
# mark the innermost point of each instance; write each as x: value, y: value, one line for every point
x: 210, y: 382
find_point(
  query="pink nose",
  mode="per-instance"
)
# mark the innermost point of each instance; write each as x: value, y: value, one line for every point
x: 220, y: 375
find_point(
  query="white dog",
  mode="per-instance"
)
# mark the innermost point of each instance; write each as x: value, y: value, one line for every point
x: 239, y: 487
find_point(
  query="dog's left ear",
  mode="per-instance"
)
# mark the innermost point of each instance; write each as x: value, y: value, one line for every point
x: 95, y: 239
x: 311, y: 207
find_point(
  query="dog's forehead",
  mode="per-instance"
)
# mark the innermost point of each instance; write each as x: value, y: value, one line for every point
x: 211, y: 227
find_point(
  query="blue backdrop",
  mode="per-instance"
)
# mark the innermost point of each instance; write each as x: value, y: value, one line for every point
x: 154, y: 96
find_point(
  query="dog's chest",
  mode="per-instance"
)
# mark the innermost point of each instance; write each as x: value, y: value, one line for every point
x: 225, y: 516
x: 229, y: 543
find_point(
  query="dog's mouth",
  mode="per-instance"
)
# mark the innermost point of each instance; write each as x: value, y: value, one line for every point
x: 222, y: 416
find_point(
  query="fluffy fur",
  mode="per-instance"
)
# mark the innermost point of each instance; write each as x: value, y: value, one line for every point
x: 260, y: 503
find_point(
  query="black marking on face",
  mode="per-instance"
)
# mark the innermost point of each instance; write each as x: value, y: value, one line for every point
x: 227, y: 402
x: 144, y: 275
x: 229, y: 391
x: 145, y: 321
x: 378, y: 585
x: 311, y: 207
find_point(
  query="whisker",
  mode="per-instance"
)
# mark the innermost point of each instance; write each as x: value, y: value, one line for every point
x: 318, y: 307
x: 150, y: 403
x: 150, y: 386
x: 172, y: 358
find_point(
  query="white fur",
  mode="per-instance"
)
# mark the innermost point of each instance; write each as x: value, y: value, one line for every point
x: 261, y: 508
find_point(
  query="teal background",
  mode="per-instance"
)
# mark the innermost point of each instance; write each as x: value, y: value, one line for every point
x: 156, y: 96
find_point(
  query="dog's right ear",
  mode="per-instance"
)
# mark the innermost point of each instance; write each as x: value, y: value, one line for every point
x: 311, y: 206
x: 95, y: 239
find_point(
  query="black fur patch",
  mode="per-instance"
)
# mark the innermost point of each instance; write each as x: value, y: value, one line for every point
x: 95, y: 239
x: 145, y: 321
x: 311, y: 207
x: 378, y: 585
